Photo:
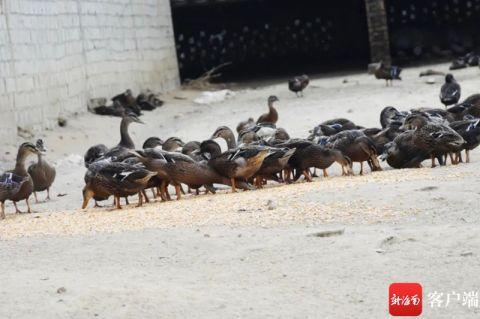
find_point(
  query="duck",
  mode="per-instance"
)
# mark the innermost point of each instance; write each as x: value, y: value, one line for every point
x: 247, y: 137
x: 450, y: 91
x: 238, y: 164
x: 308, y: 154
x: 148, y: 101
x: 390, y: 114
x: 94, y: 153
x: 245, y: 124
x: 95, y: 167
x: 118, y: 180
x: 324, y: 130
x: 17, y: 185
x: 153, y: 142
x: 173, y: 144
x: 469, y: 130
x: 42, y: 173
x: 402, y: 152
x: 436, y: 139
x: 387, y: 73
x: 261, y: 131
x: 116, y: 109
x: 273, y: 165
x: 272, y: 115
x: 470, y: 106
x: 128, y: 101
x: 298, y: 84
x: 177, y: 168
x: 357, y: 146
x: 121, y: 151
x: 10, y: 184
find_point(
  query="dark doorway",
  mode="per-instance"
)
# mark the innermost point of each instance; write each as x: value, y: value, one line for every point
x: 269, y: 37
x: 422, y: 29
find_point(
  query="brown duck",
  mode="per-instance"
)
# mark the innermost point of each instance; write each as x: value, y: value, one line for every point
x: 272, y: 115
x: 119, y: 180
x: 17, y: 185
x: 239, y: 164
x: 357, y: 146
x: 42, y: 173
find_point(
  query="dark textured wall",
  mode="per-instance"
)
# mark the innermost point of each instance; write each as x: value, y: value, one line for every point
x: 378, y: 31
x: 268, y: 37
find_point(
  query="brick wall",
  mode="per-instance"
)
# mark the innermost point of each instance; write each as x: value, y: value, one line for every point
x: 56, y: 54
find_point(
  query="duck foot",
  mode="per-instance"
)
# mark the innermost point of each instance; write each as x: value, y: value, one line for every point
x: 234, y: 188
x: 17, y: 211
x: 140, y: 198
x: 117, y: 202
x: 178, y: 192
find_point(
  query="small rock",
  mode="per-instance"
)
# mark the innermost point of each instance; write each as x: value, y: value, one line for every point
x: 239, y: 235
x: 271, y: 205
x: 466, y: 254
x: 62, y: 122
x: 431, y: 81
x: 380, y: 251
x: 61, y: 290
x: 206, y: 235
x: 428, y: 188
x: 328, y: 233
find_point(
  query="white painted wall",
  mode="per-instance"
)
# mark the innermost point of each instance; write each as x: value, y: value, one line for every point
x: 57, y: 54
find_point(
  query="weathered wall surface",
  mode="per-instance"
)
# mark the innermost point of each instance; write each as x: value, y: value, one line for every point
x: 57, y: 54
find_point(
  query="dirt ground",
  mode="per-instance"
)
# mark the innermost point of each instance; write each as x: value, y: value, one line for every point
x: 255, y: 254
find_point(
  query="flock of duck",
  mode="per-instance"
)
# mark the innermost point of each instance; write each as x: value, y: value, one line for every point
x: 261, y: 152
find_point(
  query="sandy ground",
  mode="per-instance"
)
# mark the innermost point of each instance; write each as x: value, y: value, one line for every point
x: 239, y: 255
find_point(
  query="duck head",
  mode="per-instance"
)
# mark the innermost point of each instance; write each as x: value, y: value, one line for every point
x: 449, y: 78
x: 414, y: 121
x: 40, y: 145
x: 153, y: 142
x: 210, y: 149
x: 130, y: 117
x: 88, y: 194
x: 272, y: 99
x: 27, y: 149
x: 172, y: 144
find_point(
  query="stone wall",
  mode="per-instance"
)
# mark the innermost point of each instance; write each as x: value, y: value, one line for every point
x: 57, y: 54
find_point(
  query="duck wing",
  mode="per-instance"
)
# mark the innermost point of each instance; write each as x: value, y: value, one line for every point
x: 10, y: 184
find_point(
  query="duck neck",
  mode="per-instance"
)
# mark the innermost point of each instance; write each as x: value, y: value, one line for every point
x: 40, y: 158
x: 20, y: 164
x: 273, y: 114
x: 126, y: 140
x: 230, y: 139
